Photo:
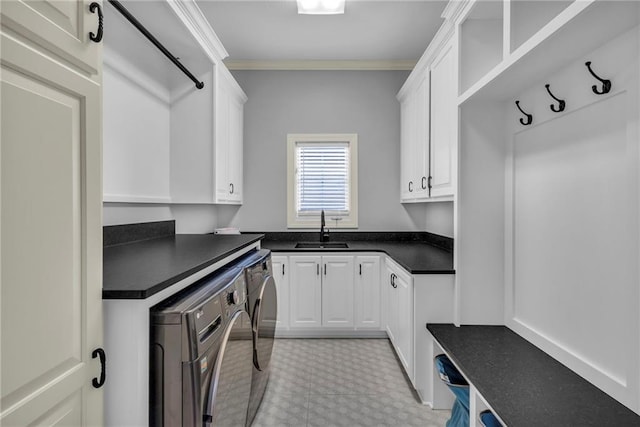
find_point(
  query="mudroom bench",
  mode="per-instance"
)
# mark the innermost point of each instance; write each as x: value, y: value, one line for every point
x: 521, y: 384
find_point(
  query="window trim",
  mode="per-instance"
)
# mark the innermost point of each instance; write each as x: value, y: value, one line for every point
x: 313, y: 221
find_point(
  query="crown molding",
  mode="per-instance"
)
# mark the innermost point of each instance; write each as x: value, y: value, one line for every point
x: 320, y: 65
x: 193, y: 18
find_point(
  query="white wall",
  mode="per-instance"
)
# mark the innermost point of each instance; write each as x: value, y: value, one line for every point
x: 362, y: 102
x: 135, y: 137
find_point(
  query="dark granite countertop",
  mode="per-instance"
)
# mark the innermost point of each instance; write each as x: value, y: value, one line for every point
x: 417, y: 256
x: 523, y: 384
x: 141, y: 269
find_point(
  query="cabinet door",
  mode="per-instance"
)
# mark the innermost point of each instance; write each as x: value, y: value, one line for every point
x: 305, y: 291
x: 222, y: 135
x: 407, y: 132
x: 235, y: 150
x: 281, y: 276
x: 415, y: 142
x: 51, y: 234
x: 443, y: 123
x: 60, y: 27
x: 390, y: 304
x: 420, y: 145
x: 404, y: 330
x: 337, y: 291
x: 367, y: 292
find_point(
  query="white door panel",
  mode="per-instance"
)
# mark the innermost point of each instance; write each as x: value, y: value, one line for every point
x: 51, y: 246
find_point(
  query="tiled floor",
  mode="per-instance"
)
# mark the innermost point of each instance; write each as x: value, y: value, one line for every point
x: 340, y: 382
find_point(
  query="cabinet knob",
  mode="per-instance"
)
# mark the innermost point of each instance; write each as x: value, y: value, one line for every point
x: 231, y: 189
x: 410, y: 186
x: 423, y: 184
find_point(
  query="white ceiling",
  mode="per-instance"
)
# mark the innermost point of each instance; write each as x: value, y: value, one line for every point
x: 370, y: 30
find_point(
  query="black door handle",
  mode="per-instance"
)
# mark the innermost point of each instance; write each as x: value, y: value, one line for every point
x: 317, y: 269
x: 325, y: 269
x: 231, y: 188
x: 423, y: 183
x: 410, y: 186
x: 283, y: 269
x: 361, y: 269
x: 103, y: 367
x: 92, y: 8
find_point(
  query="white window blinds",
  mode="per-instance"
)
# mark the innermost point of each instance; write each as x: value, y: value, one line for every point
x: 322, y: 178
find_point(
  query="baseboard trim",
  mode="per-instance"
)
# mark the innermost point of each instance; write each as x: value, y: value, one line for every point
x: 324, y: 333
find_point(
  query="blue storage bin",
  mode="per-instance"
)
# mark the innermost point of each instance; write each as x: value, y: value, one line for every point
x: 487, y: 419
x: 450, y: 375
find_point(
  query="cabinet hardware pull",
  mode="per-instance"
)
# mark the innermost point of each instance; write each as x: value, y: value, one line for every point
x: 429, y: 186
x: 231, y: 188
x: 98, y: 352
x: 410, y: 186
x: 283, y: 269
x: 561, y: 103
x: 529, y: 116
x: 422, y: 184
x: 96, y: 37
x: 361, y: 269
x: 325, y: 269
x: 317, y: 269
x: 606, y: 84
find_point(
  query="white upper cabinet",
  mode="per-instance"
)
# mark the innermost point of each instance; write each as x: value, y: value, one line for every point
x: 167, y: 141
x: 444, y: 124
x: 428, y: 129
x: 228, y: 123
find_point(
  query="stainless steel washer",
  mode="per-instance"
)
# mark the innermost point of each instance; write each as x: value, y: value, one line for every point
x: 263, y: 308
x: 202, y: 355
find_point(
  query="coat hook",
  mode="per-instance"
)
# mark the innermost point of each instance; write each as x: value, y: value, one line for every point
x: 529, y: 116
x: 561, y: 103
x: 606, y: 84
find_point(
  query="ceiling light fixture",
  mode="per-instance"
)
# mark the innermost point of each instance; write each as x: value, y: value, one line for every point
x: 320, y: 7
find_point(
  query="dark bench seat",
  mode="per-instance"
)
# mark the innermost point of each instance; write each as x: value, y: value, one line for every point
x: 524, y: 385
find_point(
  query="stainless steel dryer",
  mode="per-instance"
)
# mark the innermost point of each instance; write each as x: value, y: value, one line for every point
x: 202, y: 355
x: 263, y: 309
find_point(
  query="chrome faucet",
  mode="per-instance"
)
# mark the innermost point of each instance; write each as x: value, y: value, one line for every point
x: 324, y: 233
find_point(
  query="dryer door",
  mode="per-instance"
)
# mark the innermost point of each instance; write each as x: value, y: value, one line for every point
x: 265, y: 314
x: 230, y: 387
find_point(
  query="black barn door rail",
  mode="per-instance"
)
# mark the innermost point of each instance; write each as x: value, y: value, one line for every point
x: 155, y: 41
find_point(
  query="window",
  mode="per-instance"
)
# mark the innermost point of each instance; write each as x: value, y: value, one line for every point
x: 322, y: 175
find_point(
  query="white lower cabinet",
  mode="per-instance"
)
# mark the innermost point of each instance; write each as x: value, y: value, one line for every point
x: 305, y: 291
x: 280, y: 266
x: 367, y: 292
x: 328, y: 292
x: 399, y: 313
x: 337, y: 291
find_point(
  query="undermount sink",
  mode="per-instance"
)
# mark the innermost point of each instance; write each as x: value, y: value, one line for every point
x: 321, y: 245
